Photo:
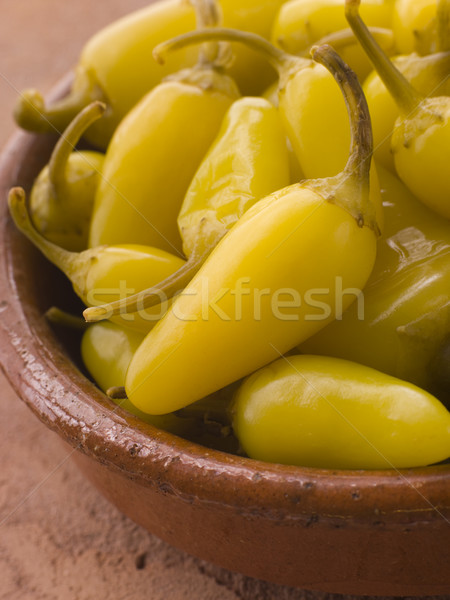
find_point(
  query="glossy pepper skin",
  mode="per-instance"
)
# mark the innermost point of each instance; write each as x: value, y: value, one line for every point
x: 247, y: 161
x: 103, y: 274
x: 62, y: 196
x: 421, y: 136
x: 414, y: 25
x: 106, y: 350
x: 405, y: 314
x: 300, y: 24
x: 153, y: 156
x: 116, y: 66
x: 108, y: 69
x: 316, y: 411
x: 428, y: 74
x: 310, y: 104
x: 227, y: 323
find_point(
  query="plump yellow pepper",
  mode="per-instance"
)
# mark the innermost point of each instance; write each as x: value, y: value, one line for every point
x: 104, y: 274
x: 403, y: 317
x: 254, y: 298
x: 414, y: 23
x: 107, y: 349
x: 247, y: 161
x: 152, y: 158
x: 316, y: 411
x: 62, y: 197
x: 312, y: 109
x: 428, y: 74
x: 108, y: 70
x: 155, y: 152
x: 116, y: 66
x: 302, y: 23
x: 421, y: 137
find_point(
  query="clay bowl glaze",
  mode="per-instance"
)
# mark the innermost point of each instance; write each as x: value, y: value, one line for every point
x: 354, y: 532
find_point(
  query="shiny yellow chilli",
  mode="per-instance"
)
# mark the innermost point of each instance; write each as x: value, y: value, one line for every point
x: 106, y: 273
x: 273, y: 280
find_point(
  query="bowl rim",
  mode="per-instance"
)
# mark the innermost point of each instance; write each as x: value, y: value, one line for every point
x: 68, y: 403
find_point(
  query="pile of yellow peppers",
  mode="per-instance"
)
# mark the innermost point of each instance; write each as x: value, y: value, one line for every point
x: 260, y: 229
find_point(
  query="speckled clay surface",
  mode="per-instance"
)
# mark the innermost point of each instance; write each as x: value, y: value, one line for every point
x: 378, y: 533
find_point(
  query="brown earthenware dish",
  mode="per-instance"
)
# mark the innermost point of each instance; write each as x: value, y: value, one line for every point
x: 355, y: 532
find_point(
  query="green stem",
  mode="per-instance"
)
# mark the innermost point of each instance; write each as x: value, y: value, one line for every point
x: 279, y: 59
x: 406, y: 97
x: 68, y: 262
x: 60, y: 317
x: 32, y: 114
x: 207, y: 14
x: 355, y: 178
x: 67, y: 142
x: 151, y: 296
x: 443, y: 25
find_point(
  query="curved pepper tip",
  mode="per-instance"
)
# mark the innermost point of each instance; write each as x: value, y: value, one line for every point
x: 158, y: 54
x: 95, y: 313
x: 29, y: 111
x: 16, y: 201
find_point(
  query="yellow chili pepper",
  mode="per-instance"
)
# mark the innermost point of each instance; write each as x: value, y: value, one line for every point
x: 323, y: 412
x: 414, y: 23
x: 302, y: 23
x: 156, y: 151
x: 62, y: 197
x: 296, y: 174
x: 108, y: 70
x: 247, y: 161
x: 308, y: 237
x: 428, y: 74
x: 312, y: 109
x: 116, y: 66
x: 99, y: 275
x: 421, y: 137
x: 107, y: 349
x: 403, y: 317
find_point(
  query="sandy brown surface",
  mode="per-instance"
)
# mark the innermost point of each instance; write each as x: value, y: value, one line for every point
x: 59, y: 539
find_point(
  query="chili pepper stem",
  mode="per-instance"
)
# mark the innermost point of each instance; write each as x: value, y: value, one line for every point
x: 351, y: 189
x: 67, y: 142
x: 60, y: 317
x: 151, y: 296
x: 207, y: 14
x: 406, y: 97
x: 32, y: 114
x: 279, y: 59
x: 70, y: 263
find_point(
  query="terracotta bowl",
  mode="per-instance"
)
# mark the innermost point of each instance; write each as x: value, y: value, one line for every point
x: 355, y: 532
